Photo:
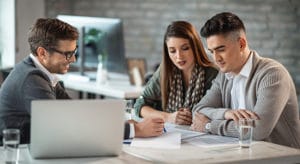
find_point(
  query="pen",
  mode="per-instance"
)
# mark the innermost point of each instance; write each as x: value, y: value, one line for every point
x: 165, y: 130
x: 127, y: 141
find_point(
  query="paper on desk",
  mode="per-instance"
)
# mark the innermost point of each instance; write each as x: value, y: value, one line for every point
x: 169, y: 140
x: 183, y: 129
x: 212, y: 141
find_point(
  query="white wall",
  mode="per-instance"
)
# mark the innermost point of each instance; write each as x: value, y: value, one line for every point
x: 7, y: 33
x: 26, y: 14
x: 16, y: 17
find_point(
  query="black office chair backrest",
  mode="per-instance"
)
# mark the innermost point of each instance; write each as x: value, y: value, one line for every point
x: 3, y: 74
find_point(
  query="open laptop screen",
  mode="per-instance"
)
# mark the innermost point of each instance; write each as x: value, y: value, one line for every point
x: 76, y: 128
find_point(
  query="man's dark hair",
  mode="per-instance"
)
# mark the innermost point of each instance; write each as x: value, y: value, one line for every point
x: 46, y: 32
x: 222, y: 23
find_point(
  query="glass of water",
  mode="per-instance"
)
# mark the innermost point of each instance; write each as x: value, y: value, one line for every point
x: 245, y: 132
x: 11, y: 141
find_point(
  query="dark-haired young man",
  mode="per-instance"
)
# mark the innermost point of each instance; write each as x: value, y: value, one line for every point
x: 249, y: 86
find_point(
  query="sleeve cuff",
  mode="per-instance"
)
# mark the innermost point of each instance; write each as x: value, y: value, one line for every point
x: 214, y: 126
x: 132, y: 132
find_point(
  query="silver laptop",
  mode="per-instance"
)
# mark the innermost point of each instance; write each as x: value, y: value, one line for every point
x: 76, y: 128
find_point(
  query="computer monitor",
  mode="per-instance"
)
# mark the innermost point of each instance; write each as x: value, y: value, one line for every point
x: 98, y: 36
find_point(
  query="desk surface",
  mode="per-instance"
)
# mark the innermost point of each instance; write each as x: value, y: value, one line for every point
x: 260, y: 152
x: 117, y: 86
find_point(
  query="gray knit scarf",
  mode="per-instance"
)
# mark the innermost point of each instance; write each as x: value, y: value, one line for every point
x: 177, y: 99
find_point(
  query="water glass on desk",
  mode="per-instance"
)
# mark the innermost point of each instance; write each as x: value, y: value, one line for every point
x: 11, y: 141
x: 246, y: 132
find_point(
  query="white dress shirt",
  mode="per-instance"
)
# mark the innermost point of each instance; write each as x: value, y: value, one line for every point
x: 239, y: 85
x: 53, y: 78
x: 132, y: 132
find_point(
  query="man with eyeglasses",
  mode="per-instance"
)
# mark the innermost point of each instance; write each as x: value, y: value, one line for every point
x: 53, y: 47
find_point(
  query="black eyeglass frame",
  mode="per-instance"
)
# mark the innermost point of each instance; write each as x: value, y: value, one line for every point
x: 68, y: 54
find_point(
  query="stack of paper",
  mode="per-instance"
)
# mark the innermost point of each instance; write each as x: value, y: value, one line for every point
x: 212, y: 141
x: 167, y: 140
x: 174, y: 134
x: 184, y: 130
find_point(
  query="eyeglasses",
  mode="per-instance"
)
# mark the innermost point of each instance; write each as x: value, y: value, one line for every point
x: 68, y: 54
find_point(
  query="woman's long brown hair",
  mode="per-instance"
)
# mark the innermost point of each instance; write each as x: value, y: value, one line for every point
x: 179, y: 29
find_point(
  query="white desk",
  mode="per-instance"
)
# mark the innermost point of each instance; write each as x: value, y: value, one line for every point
x: 261, y: 153
x: 117, y: 86
x: 25, y: 158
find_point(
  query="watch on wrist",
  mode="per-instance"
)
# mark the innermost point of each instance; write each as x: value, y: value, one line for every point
x: 207, y: 127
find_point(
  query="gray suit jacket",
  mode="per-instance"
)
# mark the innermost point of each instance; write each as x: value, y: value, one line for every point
x: 24, y: 84
x: 270, y: 92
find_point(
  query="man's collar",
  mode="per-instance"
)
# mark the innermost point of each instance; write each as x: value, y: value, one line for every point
x: 247, y: 67
x: 245, y: 71
x: 53, y: 78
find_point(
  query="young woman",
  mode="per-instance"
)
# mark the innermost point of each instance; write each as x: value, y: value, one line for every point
x: 182, y: 79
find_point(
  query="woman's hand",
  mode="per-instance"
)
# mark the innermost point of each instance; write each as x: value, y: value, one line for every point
x: 182, y: 117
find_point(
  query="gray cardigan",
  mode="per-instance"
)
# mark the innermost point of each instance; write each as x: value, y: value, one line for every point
x: 270, y: 92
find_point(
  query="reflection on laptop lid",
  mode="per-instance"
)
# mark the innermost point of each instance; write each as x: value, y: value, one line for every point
x: 76, y: 128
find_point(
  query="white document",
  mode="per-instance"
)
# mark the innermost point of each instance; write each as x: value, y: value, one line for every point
x: 212, y: 140
x: 169, y: 140
x: 185, y: 131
